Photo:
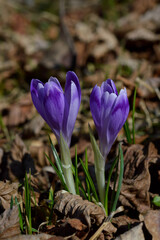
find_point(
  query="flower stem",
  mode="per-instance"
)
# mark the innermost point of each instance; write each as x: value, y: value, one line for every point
x: 99, y: 167
x: 67, y: 165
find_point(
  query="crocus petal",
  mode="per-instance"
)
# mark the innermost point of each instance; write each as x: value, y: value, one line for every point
x: 113, y: 86
x: 118, y: 117
x: 95, y: 106
x: 72, y: 104
x: 37, y: 94
x: 107, y: 103
x: 54, y: 106
x: 72, y: 77
x: 55, y: 80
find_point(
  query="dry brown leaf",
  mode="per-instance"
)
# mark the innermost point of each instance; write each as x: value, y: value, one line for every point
x: 74, y: 206
x: 88, y: 213
x: 135, y: 233
x: 20, y: 111
x: 152, y: 223
x: 42, y: 236
x: 9, y: 223
x: 136, y: 180
x: 7, y: 190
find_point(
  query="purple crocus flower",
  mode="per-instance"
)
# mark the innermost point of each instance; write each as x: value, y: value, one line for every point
x: 109, y: 111
x: 59, y: 109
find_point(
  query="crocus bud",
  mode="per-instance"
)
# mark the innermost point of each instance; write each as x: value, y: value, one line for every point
x: 59, y: 109
x: 109, y: 111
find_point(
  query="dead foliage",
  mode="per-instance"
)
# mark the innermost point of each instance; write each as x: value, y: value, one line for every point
x: 9, y: 223
x: 7, y: 191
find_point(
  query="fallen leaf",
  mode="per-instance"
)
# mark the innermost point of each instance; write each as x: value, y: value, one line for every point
x: 7, y: 190
x: 134, y: 233
x: 75, y: 206
x: 42, y: 236
x: 136, y: 179
x: 9, y: 223
x: 152, y: 223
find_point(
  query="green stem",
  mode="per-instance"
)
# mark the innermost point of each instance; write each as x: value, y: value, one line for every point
x: 100, y: 176
x: 99, y: 162
x: 67, y: 165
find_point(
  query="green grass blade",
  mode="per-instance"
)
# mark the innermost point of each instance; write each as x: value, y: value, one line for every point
x: 11, y: 203
x: 133, y: 112
x: 119, y: 180
x: 57, y: 160
x: 127, y: 132
x: 20, y: 214
x: 90, y: 181
x: 58, y: 173
x: 76, y: 172
x: 80, y: 184
x: 87, y: 182
x: 108, y: 182
x: 28, y: 204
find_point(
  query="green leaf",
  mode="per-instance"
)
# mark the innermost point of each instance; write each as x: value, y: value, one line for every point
x: 156, y: 201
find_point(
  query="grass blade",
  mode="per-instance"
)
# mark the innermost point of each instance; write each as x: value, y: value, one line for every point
x: 57, y: 160
x: 119, y: 180
x: 90, y: 181
x: 133, y: 112
x: 108, y: 182
x: 20, y: 214
x: 58, y: 173
x: 87, y: 182
x: 76, y: 172
x: 127, y: 132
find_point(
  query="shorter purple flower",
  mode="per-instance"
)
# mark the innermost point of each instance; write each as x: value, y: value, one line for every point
x: 109, y: 111
x: 59, y: 109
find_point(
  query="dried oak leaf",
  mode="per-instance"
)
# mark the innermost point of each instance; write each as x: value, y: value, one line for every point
x: 136, y: 179
x: 74, y: 206
x: 7, y: 190
x: 152, y: 223
x: 9, y: 223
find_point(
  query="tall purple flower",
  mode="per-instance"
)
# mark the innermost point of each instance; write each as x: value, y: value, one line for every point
x: 59, y: 109
x: 109, y: 111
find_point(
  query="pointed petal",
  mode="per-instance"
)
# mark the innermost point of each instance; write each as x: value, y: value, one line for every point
x: 107, y: 103
x: 118, y: 117
x: 71, y: 76
x: 112, y: 85
x: 37, y: 94
x: 72, y: 104
x: 55, y: 80
x: 95, y: 106
x: 54, y: 106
